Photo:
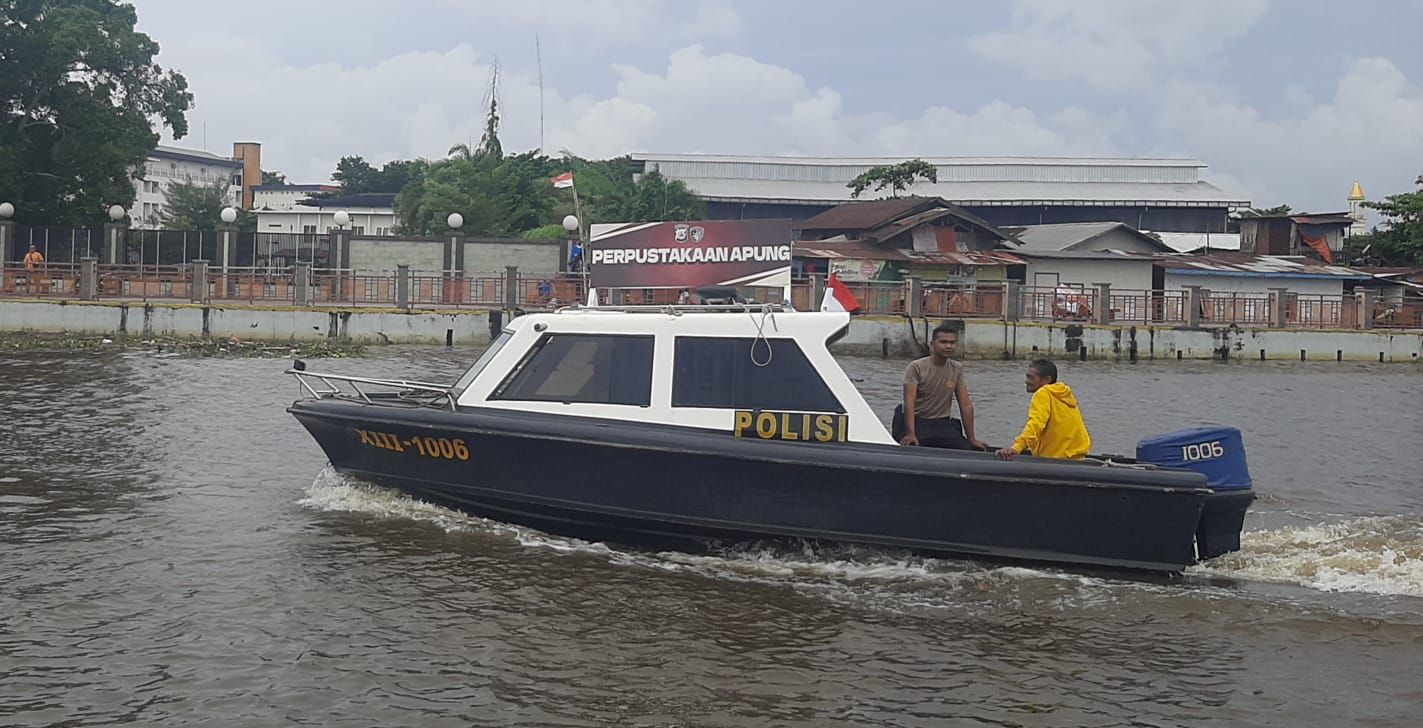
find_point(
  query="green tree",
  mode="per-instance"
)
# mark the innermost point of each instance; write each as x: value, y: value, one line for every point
x: 357, y: 176
x: 354, y: 174
x: 1400, y: 241
x: 1276, y: 211
x: 192, y: 206
x: 655, y: 198
x: 897, y: 177
x: 79, y: 95
x: 273, y: 178
x: 512, y: 195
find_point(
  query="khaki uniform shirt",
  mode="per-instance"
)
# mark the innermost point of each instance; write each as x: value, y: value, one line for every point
x: 936, y: 385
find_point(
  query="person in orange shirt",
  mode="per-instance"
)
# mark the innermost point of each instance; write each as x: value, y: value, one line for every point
x: 33, y: 259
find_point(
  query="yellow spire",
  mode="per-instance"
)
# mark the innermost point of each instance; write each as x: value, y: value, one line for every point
x: 1357, y: 193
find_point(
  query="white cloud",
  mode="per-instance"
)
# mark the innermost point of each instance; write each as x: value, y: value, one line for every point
x: 1372, y: 130
x: 1115, y: 44
x: 730, y: 104
x: 607, y: 22
x: 695, y: 99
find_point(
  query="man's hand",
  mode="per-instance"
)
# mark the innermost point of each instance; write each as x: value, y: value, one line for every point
x: 1006, y: 453
x: 978, y: 444
x: 909, y: 440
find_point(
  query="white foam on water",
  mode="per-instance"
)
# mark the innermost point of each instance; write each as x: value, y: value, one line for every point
x: 334, y: 492
x: 855, y: 570
x: 1373, y: 555
x: 331, y: 491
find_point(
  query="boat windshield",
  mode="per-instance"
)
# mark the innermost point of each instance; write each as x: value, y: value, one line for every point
x: 482, y: 361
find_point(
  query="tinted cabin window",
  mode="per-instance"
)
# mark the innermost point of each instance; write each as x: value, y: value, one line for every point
x: 600, y: 369
x: 732, y: 373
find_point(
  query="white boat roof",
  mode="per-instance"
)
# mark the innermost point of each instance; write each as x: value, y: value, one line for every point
x: 811, y: 332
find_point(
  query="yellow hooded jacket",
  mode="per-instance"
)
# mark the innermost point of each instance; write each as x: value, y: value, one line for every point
x: 1055, y: 428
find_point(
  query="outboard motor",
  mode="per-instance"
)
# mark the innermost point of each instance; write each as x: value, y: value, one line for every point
x: 1216, y: 452
x: 1219, y: 454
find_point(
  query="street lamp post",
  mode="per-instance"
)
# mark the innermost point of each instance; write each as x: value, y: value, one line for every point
x: 338, y: 256
x: 227, y: 257
x: 454, y: 280
x: 7, y: 239
x: 114, y: 252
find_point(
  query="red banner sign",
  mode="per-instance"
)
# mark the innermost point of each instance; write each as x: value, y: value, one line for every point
x: 690, y: 254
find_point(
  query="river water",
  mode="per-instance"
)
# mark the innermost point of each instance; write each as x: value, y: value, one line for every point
x: 174, y: 550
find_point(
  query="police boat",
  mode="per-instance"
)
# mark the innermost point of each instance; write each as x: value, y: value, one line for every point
x: 693, y: 426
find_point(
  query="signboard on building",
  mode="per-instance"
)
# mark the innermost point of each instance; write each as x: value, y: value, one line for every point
x: 690, y: 254
x: 855, y: 269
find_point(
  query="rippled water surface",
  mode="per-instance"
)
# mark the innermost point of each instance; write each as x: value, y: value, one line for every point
x: 175, y: 551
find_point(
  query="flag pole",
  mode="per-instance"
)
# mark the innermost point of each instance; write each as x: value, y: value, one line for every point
x: 582, y: 238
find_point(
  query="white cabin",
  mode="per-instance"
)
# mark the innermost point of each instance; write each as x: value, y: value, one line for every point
x: 755, y: 373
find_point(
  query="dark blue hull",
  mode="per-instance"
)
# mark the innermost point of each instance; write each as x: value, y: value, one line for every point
x: 661, y: 486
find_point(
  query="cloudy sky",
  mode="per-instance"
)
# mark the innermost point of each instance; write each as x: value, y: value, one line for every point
x: 1287, y: 101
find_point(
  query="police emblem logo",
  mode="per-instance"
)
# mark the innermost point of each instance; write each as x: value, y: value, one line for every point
x: 680, y: 234
x: 697, y: 234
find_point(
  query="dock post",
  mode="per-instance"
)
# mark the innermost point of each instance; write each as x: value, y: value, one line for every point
x: 1104, y: 303
x: 914, y: 298
x: 1366, y: 308
x: 1279, y: 307
x: 88, y: 279
x: 402, y: 286
x: 1012, y: 301
x: 303, y: 284
x: 1193, y: 306
x: 511, y: 289
x: 198, y: 284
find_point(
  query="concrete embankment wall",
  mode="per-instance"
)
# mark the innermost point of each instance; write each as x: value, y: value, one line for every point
x: 1025, y: 340
x: 867, y: 336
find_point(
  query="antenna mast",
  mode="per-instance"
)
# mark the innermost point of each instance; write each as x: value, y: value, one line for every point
x: 489, y: 143
x: 538, y: 58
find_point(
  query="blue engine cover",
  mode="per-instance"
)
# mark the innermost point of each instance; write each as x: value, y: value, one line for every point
x: 1216, y: 452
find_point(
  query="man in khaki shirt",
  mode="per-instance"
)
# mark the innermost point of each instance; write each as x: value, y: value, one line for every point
x: 931, y: 385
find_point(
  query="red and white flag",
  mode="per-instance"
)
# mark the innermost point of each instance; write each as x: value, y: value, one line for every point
x: 563, y: 180
x: 838, y: 296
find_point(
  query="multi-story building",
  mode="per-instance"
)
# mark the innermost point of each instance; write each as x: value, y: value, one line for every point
x: 371, y: 213
x: 287, y: 197
x: 167, y: 166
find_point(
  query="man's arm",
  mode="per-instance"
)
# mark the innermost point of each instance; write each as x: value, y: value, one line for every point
x: 966, y: 414
x: 1037, y: 420
x: 911, y: 391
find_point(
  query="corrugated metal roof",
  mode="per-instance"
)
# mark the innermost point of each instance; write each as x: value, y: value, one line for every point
x: 1093, y: 255
x: 1258, y: 265
x: 868, y: 214
x: 1331, y: 218
x: 884, y: 219
x: 1189, y: 242
x: 1130, y: 194
x: 1062, y: 235
x: 878, y: 161
x: 861, y: 250
x: 192, y: 155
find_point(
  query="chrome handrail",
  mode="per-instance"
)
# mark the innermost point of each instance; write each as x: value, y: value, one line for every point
x: 679, y: 308
x: 329, y: 386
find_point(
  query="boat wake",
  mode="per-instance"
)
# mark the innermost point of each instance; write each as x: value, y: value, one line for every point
x: 1372, y: 555
x: 770, y: 562
x: 1377, y: 555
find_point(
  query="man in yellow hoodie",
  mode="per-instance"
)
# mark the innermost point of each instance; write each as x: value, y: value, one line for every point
x: 1055, y: 428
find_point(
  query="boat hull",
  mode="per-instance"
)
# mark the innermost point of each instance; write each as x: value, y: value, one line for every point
x: 661, y: 486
